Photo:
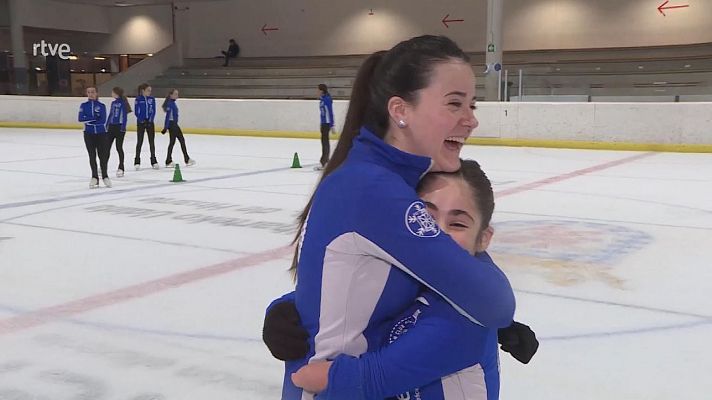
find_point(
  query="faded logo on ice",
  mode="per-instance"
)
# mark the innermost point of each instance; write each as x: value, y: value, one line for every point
x: 567, y: 252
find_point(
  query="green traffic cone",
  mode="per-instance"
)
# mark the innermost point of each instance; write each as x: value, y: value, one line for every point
x: 295, y: 161
x: 177, y: 176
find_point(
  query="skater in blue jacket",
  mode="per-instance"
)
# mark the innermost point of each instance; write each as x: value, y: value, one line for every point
x: 116, y: 124
x: 145, y: 106
x: 93, y: 113
x: 171, y: 125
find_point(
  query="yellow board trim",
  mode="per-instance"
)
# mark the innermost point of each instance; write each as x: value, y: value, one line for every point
x: 551, y: 144
x: 573, y: 144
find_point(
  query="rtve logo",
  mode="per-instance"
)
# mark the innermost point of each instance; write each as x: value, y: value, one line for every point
x: 48, y: 49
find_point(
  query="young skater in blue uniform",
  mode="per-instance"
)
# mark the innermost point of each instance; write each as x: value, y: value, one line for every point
x: 171, y: 125
x: 116, y: 124
x: 145, y: 106
x: 326, y: 117
x: 93, y: 113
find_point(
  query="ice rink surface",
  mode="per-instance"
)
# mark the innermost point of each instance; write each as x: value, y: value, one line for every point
x: 156, y: 290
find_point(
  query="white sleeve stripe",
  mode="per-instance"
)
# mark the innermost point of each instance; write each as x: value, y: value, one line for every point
x: 354, y: 274
x: 351, y: 287
x: 373, y: 249
x: 468, y: 384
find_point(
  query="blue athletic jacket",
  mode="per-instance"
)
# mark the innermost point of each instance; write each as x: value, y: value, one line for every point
x: 368, y: 248
x: 171, y: 113
x: 430, y: 342
x: 145, y: 108
x: 93, y: 114
x: 326, y: 110
x: 117, y: 114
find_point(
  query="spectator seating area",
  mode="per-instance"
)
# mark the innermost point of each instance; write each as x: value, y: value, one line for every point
x: 670, y: 73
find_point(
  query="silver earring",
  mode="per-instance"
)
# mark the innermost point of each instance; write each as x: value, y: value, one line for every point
x: 402, y: 124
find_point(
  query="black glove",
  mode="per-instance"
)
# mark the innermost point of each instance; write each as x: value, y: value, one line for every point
x: 519, y: 341
x: 283, y: 333
x: 163, y: 131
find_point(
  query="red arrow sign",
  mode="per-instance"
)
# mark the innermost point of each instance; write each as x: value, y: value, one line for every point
x: 446, y: 20
x: 265, y: 29
x: 663, y: 7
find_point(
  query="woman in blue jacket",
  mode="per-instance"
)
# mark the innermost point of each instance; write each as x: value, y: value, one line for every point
x: 145, y: 106
x: 116, y: 124
x: 366, y: 243
x: 93, y: 113
x: 326, y: 116
x: 171, y: 125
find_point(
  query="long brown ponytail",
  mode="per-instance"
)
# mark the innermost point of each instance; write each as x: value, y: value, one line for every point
x: 358, y: 103
x: 120, y: 92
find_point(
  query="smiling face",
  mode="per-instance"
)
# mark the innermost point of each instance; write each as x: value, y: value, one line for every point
x: 453, y: 205
x: 441, y: 118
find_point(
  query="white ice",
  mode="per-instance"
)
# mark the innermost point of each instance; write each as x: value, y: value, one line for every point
x: 156, y: 290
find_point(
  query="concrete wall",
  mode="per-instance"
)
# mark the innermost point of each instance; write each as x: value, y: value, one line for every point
x: 65, y: 16
x: 144, y: 71
x: 318, y: 27
x: 571, y: 24
x: 664, y: 123
x: 139, y: 30
x: 127, y: 30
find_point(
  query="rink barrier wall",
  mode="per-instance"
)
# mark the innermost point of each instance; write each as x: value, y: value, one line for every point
x: 671, y: 127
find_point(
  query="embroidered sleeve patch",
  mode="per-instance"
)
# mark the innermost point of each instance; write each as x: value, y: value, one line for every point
x: 419, y: 221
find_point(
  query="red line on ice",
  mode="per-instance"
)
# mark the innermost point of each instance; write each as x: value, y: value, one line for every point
x: 44, y: 315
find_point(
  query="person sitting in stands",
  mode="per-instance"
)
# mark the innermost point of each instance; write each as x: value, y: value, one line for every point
x: 231, y: 52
